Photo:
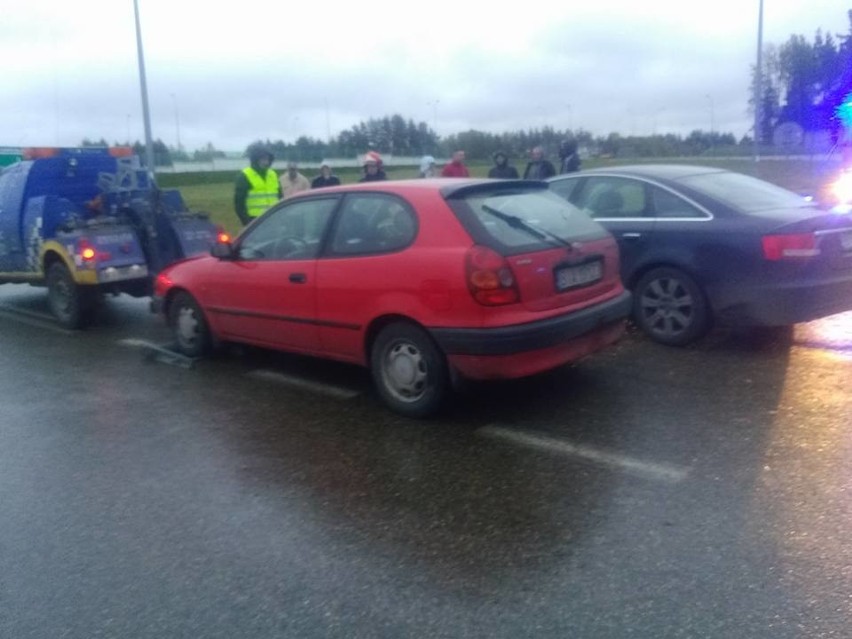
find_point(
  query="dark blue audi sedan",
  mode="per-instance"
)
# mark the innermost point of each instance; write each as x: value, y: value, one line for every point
x: 700, y: 245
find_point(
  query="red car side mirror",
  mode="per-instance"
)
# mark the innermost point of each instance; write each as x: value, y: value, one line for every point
x: 222, y: 250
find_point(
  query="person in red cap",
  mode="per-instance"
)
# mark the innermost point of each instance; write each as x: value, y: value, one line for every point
x: 373, y: 168
x: 456, y: 167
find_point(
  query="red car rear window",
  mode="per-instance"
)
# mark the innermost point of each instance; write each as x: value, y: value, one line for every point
x: 522, y: 220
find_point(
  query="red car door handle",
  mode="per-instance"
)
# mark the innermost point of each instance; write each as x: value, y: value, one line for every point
x: 298, y: 278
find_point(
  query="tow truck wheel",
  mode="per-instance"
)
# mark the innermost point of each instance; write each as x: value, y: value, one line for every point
x: 189, y: 326
x: 66, y: 300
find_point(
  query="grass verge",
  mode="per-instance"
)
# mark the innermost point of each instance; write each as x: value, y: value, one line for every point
x: 214, y: 192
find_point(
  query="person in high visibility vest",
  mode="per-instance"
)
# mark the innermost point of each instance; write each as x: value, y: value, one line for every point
x: 256, y: 187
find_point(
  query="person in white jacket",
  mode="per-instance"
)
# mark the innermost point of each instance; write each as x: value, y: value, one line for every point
x: 427, y: 166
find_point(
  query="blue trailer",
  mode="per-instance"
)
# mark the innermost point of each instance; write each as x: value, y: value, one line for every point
x: 86, y: 222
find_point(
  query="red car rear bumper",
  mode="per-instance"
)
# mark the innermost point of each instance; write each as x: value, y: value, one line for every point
x: 531, y: 362
x: 525, y: 349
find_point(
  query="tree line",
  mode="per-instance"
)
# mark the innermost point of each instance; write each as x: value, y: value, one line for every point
x: 806, y: 82
x: 393, y: 136
x: 163, y: 154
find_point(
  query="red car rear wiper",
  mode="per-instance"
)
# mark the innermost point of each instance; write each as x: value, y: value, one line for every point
x: 519, y: 223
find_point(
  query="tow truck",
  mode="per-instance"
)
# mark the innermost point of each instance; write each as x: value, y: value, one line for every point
x: 85, y: 222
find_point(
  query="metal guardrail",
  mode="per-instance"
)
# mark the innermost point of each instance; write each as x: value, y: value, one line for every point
x: 236, y: 164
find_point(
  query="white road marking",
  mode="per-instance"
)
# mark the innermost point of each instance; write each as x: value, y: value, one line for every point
x: 660, y: 472
x: 28, y: 313
x: 158, y: 352
x: 134, y: 342
x: 34, y: 319
x: 338, y: 392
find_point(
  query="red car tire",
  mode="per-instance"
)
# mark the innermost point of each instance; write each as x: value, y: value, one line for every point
x: 409, y: 370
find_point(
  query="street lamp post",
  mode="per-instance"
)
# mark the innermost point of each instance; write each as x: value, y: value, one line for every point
x: 177, y: 122
x: 712, y: 120
x: 146, y: 115
x: 656, y: 114
x: 758, y: 83
x: 434, y: 104
x: 327, y: 123
x: 712, y: 115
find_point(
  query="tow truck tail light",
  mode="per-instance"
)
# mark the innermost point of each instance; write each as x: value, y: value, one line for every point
x: 86, y: 251
x: 89, y: 254
x: 489, y: 277
x: 786, y: 247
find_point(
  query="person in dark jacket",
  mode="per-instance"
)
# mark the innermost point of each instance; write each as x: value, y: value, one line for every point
x: 373, y: 171
x: 538, y: 168
x: 568, y: 156
x: 502, y: 168
x: 325, y: 178
x: 256, y: 187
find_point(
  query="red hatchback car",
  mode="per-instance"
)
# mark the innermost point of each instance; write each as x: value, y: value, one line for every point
x: 421, y: 281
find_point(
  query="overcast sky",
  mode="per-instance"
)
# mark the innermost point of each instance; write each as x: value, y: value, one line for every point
x: 231, y: 72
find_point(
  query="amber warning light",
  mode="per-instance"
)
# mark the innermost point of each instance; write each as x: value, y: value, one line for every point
x: 86, y: 250
x: 222, y: 235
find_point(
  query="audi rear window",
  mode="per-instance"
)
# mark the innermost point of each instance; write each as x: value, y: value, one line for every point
x: 522, y: 220
x: 744, y: 192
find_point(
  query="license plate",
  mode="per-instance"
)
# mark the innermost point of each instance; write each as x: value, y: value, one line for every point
x: 846, y: 240
x: 119, y: 273
x: 578, y: 275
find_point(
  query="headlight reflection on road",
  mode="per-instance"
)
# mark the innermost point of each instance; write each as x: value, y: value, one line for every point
x: 802, y: 503
x: 831, y: 335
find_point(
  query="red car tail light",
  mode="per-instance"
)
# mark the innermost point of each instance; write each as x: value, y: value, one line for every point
x: 489, y: 277
x: 161, y: 284
x: 785, y: 247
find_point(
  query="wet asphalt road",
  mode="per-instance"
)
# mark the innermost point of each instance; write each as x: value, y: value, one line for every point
x: 647, y: 492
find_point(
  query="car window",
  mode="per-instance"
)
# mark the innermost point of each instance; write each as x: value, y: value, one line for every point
x: 373, y: 223
x: 515, y: 221
x: 565, y: 188
x: 669, y: 205
x: 610, y: 197
x: 744, y: 192
x: 292, y: 232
